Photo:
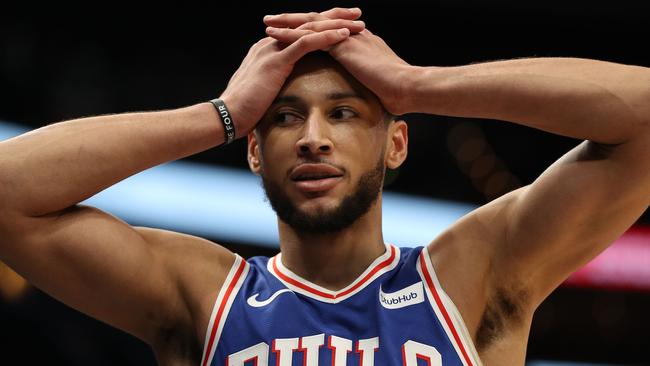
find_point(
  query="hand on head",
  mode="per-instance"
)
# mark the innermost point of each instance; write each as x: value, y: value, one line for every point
x: 269, y: 62
x: 267, y: 65
x: 366, y: 56
x: 290, y: 27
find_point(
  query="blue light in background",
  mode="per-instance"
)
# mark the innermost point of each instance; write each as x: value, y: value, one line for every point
x: 229, y: 204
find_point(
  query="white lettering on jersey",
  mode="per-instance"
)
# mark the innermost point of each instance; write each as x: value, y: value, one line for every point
x: 340, y: 348
x: 258, y: 353
x: 410, y: 295
x: 309, y: 346
x: 366, y: 349
x: 412, y: 351
x: 283, y: 349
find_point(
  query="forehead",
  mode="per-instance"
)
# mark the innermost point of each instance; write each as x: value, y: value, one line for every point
x: 317, y: 77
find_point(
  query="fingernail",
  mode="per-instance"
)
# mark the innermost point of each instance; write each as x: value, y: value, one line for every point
x: 267, y: 17
x: 270, y: 30
x: 344, y: 32
x: 355, y: 9
x: 359, y: 22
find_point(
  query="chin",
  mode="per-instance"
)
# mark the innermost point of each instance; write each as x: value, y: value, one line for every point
x: 318, y: 205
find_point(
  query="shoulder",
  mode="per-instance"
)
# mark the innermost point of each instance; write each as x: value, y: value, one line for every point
x: 188, y: 257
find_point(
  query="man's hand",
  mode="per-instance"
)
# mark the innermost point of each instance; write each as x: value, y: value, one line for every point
x: 263, y: 71
x: 366, y: 56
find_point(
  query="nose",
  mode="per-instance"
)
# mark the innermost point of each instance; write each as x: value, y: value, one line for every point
x: 315, y: 138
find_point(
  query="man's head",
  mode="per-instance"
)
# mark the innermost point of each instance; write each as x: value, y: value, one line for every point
x: 323, y: 146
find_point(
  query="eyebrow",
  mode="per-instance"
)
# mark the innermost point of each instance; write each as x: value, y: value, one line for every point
x: 294, y: 99
x: 345, y: 95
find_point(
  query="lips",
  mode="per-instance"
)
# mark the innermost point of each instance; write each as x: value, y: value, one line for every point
x: 314, y: 171
x: 315, y: 177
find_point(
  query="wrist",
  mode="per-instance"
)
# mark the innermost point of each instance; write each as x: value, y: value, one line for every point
x: 404, y: 98
x: 205, y: 130
x: 423, y: 89
x: 236, y: 115
x: 227, y: 121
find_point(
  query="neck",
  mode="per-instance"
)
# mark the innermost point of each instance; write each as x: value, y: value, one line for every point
x: 334, y: 260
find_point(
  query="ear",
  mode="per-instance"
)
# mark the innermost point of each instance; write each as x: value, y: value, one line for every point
x: 397, y: 147
x: 253, y: 154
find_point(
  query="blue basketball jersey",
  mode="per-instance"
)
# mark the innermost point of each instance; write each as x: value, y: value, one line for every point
x: 394, y: 313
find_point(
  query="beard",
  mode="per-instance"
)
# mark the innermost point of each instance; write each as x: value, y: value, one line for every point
x: 327, y: 221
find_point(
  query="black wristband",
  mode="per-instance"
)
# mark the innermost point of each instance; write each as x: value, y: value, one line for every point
x: 226, y: 119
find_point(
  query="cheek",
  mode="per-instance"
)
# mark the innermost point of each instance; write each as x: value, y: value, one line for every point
x: 270, y: 164
x: 362, y: 144
x: 275, y: 160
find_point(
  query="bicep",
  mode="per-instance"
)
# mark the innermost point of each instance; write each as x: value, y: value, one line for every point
x: 97, y: 264
x: 571, y: 213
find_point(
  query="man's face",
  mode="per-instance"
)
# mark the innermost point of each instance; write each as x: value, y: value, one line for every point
x: 321, y: 148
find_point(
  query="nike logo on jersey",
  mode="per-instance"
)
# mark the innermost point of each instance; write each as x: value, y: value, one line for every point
x: 252, y: 301
x: 407, y: 296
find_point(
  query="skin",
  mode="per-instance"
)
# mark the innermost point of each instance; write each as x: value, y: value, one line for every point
x: 349, y: 133
x: 497, y: 263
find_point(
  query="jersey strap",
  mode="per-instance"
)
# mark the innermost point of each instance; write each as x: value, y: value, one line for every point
x: 447, y: 312
x: 222, y: 305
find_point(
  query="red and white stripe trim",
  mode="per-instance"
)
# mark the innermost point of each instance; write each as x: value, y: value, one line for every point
x: 222, y: 305
x: 386, y: 262
x: 447, y: 312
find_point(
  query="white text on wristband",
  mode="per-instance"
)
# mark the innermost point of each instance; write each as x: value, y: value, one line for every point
x: 226, y: 119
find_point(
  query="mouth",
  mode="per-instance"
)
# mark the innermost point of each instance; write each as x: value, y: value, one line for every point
x: 316, y: 185
x: 311, y: 178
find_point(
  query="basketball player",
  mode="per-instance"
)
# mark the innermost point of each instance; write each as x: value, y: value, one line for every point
x: 321, y: 133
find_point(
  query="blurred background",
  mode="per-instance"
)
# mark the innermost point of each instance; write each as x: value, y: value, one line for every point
x: 59, y: 63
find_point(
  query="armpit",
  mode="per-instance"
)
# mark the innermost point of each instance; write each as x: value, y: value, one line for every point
x: 504, y: 309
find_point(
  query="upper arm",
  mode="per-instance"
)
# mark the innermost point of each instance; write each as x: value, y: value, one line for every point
x: 571, y: 213
x: 132, y: 278
x: 511, y: 253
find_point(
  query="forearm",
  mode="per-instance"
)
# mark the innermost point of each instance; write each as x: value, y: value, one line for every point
x: 57, y: 166
x: 586, y: 99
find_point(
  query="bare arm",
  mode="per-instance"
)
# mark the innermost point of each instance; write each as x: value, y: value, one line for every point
x: 57, y: 166
x: 80, y: 254
x: 152, y: 283
x: 589, y: 197
x: 587, y: 99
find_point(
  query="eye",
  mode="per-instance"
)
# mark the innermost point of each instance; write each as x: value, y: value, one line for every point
x: 343, y: 113
x: 286, y: 118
